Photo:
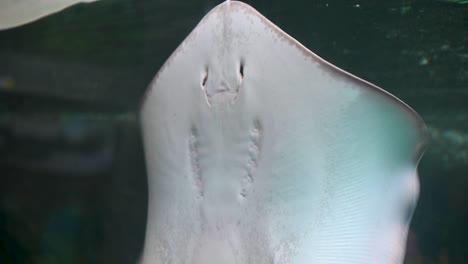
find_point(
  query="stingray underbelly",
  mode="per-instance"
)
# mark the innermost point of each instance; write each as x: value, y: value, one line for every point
x: 218, y: 244
x: 232, y: 187
x: 203, y: 202
x: 224, y: 174
x: 259, y: 151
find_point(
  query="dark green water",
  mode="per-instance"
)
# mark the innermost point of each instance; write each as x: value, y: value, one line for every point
x: 73, y: 180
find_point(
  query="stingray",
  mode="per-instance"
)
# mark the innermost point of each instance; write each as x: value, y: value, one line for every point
x: 15, y: 13
x: 259, y: 151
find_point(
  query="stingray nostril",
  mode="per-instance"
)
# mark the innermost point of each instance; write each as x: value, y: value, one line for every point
x: 205, y: 78
x: 241, y: 70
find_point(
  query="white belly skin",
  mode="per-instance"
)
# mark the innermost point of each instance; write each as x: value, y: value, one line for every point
x: 258, y: 151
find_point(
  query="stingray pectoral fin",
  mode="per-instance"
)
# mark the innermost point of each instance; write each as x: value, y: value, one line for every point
x: 15, y: 13
x: 259, y: 151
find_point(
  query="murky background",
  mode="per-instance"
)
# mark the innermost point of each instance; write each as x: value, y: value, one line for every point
x: 72, y: 174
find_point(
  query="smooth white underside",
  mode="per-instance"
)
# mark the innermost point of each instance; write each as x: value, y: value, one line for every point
x: 15, y: 13
x: 258, y: 151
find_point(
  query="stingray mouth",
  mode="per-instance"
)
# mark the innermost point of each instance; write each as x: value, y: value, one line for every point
x: 224, y: 92
x: 221, y: 95
x: 221, y: 98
